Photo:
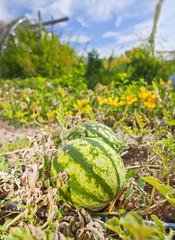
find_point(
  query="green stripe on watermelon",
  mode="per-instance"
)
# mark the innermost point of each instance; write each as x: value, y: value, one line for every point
x: 109, y: 155
x: 93, y: 168
x: 96, y: 130
x: 80, y: 159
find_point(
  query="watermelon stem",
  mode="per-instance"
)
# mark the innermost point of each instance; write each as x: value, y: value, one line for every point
x: 115, y: 199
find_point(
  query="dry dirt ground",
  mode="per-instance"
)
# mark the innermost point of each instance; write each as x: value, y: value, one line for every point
x: 8, y: 133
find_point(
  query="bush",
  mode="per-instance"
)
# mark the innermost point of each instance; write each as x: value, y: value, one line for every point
x: 142, y: 64
x: 33, y: 55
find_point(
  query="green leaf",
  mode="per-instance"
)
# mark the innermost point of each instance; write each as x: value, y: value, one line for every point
x: 132, y: 226
x: 137, y: 226
x: 59, y: 198
x: 3, y: 166
x: 47, y: 235
x: 161, y: 229
x: 129, y: 193
x: 113, y: 224
x: 140, y: 181
x: 47, y: 183
x: 21, y: 233
x: 158, y: 223
x: 17, y: 162
x: 129, y: 174
x: 167, y: 191
x: 46, y: 163
x: 43, y: 143
x: 4, y: 226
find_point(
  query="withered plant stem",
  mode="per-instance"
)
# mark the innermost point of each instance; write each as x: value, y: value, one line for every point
x: 114, y: 200
x: 140, y: 166
x: 153, y: 206
x: 17, y: 218
x: 10, y: 153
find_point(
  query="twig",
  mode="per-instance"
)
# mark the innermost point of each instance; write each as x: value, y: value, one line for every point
x: 153, y: 206
x: 157, y: 204
x: 151, y: 198
x: 140, y: 166
x: 10, y: 153
x: 106, y: 214
x: 17, y: 218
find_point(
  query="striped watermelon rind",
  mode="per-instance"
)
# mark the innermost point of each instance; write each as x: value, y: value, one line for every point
x: 96, y: 173
x: 96, y: 130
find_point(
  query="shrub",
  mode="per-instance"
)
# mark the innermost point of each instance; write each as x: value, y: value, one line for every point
x: 142, y: 64
x: 33, y: 55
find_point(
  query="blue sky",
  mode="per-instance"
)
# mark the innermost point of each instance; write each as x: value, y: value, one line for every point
x: 105, y: 25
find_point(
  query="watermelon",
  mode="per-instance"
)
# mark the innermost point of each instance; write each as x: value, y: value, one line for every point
x: 96, y: 130
x: 95, y: 170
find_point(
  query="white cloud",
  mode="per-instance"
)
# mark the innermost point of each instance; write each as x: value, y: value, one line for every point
x: 114, y: 50
x: 127, y: 38
x: 121, y: 37
x: 142, y: 30
x: 103, y: 10
x: 139, y: 31
x: 78, y: 39
x: 4, y: 14
x: 111, y: 34
x: 82, y: 22
x: 118, y: 21
x: 145, y: 26
x: 60, y: 8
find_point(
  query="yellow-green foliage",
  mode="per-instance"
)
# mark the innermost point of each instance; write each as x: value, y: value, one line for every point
x: 32, y: 55
x: 48, y: 100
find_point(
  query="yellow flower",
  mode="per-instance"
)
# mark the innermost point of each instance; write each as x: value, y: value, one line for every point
x: 131, y: 99
x: 154, y: 97
x: 169, y: 82
x: 61, y: 91
x: 143, y: 118
x: 142, y: 89
x: 85, y: 109
x: 23, y: 120
x: 149, y: 104
x: 121, y: 103
x: 80, y: 104
x: 154, y: 84
x: 102, y: 100
x: 24, y: 95
x: 83, y: 101
x: 40, y: 119
x: 34, y: 115
x: 69, y: 112
x: 50, y: 115
x: 33, y: 106
x: 162, y: 82
x: 145, y: 95
x: 113, y: 103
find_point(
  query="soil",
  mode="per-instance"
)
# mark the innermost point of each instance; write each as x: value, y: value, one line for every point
x: 8, y: 133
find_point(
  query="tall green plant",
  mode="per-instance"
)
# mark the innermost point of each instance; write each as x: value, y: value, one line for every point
x: 94, y: 66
